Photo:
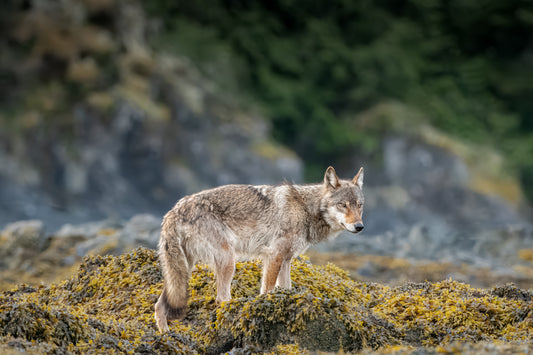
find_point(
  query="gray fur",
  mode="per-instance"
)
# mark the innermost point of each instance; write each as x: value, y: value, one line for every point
x: 275, y: 223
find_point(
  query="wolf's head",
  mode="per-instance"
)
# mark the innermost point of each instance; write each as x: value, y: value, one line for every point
x: 343, y: 201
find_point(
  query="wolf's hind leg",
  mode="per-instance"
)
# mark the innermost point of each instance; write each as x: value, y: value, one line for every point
x: 224, y: 270
x: 216, y: 248
x: 161, y: 316
x: 165, y: 312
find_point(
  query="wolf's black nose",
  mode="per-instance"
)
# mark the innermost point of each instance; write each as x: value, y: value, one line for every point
x: 359, y: 227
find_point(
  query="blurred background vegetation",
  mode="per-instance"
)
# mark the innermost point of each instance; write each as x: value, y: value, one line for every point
x: 464, y: 67
x: 334, y: 77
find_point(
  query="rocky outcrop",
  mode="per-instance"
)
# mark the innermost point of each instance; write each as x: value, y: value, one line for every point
x: 107, y: 306
x: 425, y: 207
x: 110, y: 128
x: 431, y: 197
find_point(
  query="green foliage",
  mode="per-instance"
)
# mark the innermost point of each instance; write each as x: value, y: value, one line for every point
x: 312, y: 65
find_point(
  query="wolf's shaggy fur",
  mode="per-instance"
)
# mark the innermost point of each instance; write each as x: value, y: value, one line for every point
x: 275, y: 223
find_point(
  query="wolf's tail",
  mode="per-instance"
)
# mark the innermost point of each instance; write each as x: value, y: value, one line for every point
x: 172, y: 303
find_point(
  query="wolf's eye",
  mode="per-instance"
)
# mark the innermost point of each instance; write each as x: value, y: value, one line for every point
x: 359, y: 205
x: 341, y: 205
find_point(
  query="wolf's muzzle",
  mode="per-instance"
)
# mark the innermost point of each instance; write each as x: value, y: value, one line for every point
x: 358, y: 227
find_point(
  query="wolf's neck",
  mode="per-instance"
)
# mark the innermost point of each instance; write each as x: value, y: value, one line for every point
x: 312, y: 196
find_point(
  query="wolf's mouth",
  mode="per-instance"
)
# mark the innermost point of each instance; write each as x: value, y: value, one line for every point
x: 350, y: 228
x: 353, y: 228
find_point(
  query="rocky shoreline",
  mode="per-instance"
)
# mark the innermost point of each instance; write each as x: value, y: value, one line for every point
x: 107, y: 307
x: 31, y: 254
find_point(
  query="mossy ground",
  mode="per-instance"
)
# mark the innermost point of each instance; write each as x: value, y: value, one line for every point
x: 107, y: 307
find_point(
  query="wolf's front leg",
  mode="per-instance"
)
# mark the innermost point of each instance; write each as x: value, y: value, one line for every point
x: 271, y: 267
x: 284, y: 276
x: 276, y: 270
x: 224, y: 270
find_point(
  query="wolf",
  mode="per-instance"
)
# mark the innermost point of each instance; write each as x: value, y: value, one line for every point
x: 274, y: 223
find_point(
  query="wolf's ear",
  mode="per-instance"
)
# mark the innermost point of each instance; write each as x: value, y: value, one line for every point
x: 358, y: 179
x: 330, y: 179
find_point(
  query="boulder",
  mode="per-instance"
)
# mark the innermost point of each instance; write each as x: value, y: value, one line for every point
x: 24, y: 234
x: 141, y: 230
x: 20, y: 242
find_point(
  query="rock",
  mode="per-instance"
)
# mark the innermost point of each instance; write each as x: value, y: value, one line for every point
x: 24, y: 234
x: 87, y: 230
x: 141, y: 230
x: 157, y: 130
x: 422, y: 204
x: 20, y: 242
x: 410, y: 163
x: 100, y: 245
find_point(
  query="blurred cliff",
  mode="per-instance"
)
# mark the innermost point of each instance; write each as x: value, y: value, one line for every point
x: 110, y: 108
x: 96, y: 124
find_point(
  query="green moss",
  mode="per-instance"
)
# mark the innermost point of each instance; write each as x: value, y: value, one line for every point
x: 107, y: 307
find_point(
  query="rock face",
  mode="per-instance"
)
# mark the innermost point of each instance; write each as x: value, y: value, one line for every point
x: 135, y: 130
x: 133, y: 164
x: 440, y: 200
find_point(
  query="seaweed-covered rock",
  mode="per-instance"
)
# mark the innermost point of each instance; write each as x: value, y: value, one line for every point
x: 292, y: 316
x: 448, y: 311
x: 34, y: 321
x: 512, y: 292
x: 107, y: 308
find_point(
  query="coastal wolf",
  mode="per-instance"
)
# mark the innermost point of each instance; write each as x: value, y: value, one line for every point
x: 275, y: 223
